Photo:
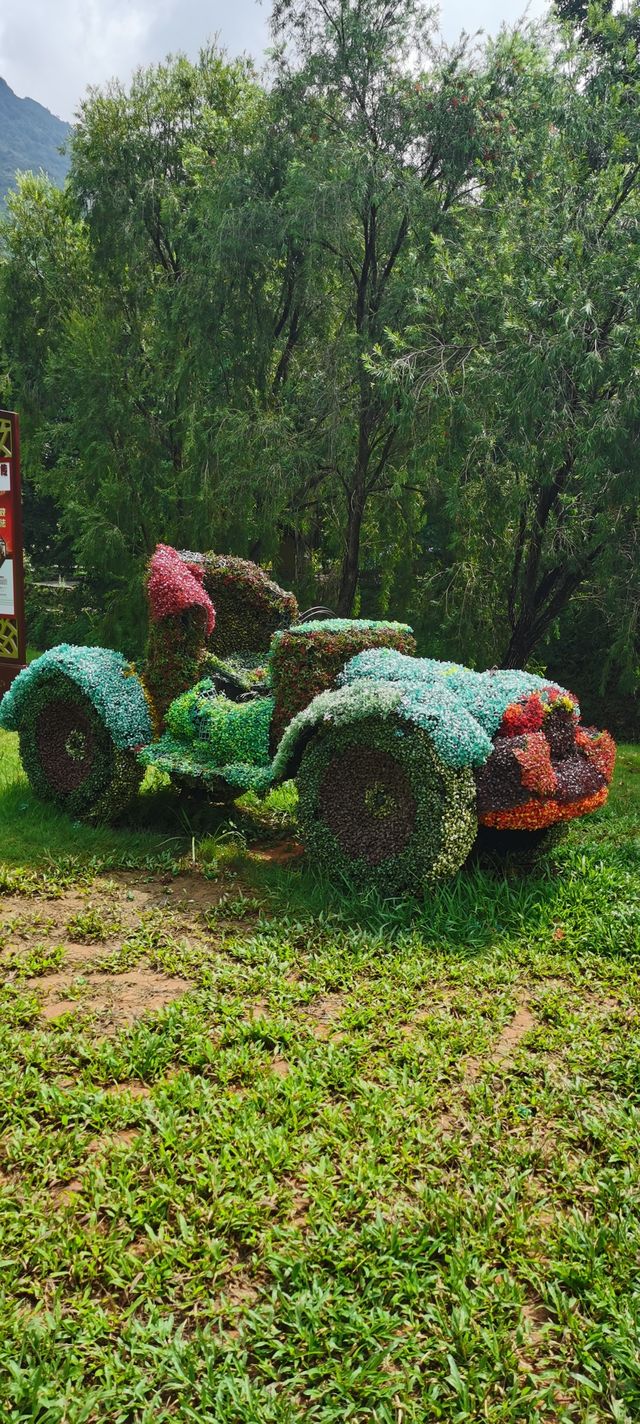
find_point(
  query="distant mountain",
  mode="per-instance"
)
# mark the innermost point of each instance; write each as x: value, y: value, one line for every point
x: 29, y: 139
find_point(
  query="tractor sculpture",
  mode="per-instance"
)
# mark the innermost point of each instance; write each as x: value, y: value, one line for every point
x: 398, y: 760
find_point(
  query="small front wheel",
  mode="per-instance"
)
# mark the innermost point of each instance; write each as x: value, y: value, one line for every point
x: 69, y: 755
x: 378, y: 805
x: 529, y: 846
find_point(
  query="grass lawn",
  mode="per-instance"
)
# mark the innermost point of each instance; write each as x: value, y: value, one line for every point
x: 269, y: 1153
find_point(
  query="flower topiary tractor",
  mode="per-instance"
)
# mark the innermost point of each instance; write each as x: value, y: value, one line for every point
x: 397, y: 759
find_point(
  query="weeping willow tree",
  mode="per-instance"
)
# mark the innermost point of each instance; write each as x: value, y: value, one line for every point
x: 525, y: 350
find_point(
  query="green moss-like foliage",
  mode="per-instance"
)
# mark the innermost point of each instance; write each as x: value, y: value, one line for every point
x: 174, y: 661
x: 211, y: 739
x: 225, y: 731
x: 186, y: 762
x: 249, y: 606
x: 378, y: 805
x: 307, y: 659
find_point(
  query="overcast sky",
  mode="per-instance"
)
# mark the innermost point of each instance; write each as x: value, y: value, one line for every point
x: 52, y: 49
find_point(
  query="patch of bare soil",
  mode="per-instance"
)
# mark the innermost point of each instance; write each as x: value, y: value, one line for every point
x: 321, y: 1014
x: 530, y: 1350
x: 66, y: 1193
x: 113, y: 1000
x: 258, y: 1011
x: 124, y: 1136
x: 507, y: 1044
x: 142, y: 1246
x: 81, y: 957
x: 123, y: 897
x: 238, y: 1289
x: 131, y: 1087
x: 299, y: 1214
x: 41, y: 909
x: 280, y: 854
x: 134, y: 893
x: 87, y: 925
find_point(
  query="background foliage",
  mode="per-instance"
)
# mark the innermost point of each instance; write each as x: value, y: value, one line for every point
x: 371, y: 319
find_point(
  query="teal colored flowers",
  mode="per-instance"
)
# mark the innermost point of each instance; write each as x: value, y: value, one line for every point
x: 106, y: 679
x: 485, y: 695
x: 427, y: 704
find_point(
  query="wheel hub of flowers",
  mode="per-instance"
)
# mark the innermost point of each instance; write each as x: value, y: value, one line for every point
x: 366, y: 800
x: 65, y: 744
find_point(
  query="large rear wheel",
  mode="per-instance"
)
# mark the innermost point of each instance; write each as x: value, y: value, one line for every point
x: 379, y: 806
x: 69, y: 755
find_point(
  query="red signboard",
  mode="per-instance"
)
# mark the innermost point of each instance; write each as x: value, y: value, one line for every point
x: 12, y: 629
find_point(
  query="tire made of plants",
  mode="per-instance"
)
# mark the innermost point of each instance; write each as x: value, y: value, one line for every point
x: 529, y: 846
x: 378, y: 806
x: 69, y: 755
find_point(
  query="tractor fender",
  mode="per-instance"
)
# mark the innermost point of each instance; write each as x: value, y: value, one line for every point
x: 457, y: 736
x: 104, y: 676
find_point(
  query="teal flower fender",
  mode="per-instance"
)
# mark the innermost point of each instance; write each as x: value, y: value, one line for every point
x: 82, y: 717
x: 102, y: 675
x: 456, y: 735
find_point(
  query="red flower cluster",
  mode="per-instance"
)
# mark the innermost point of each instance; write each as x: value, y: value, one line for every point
x: 175, y: 586
x: 524, y: 716
x: 536, y: 815
x: 599, y: 748
x: 534, y: 756
x: 528, y: 714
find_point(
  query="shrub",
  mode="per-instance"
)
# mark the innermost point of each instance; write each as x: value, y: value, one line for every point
x: 56, y: 612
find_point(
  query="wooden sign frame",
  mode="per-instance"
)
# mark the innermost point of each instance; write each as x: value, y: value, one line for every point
x: 13, y: 638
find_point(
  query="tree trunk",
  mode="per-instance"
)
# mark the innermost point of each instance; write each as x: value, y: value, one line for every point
x: 351, y: 561
x: 357, y: 493
x: 554, y: 591
x: 521, y: 645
